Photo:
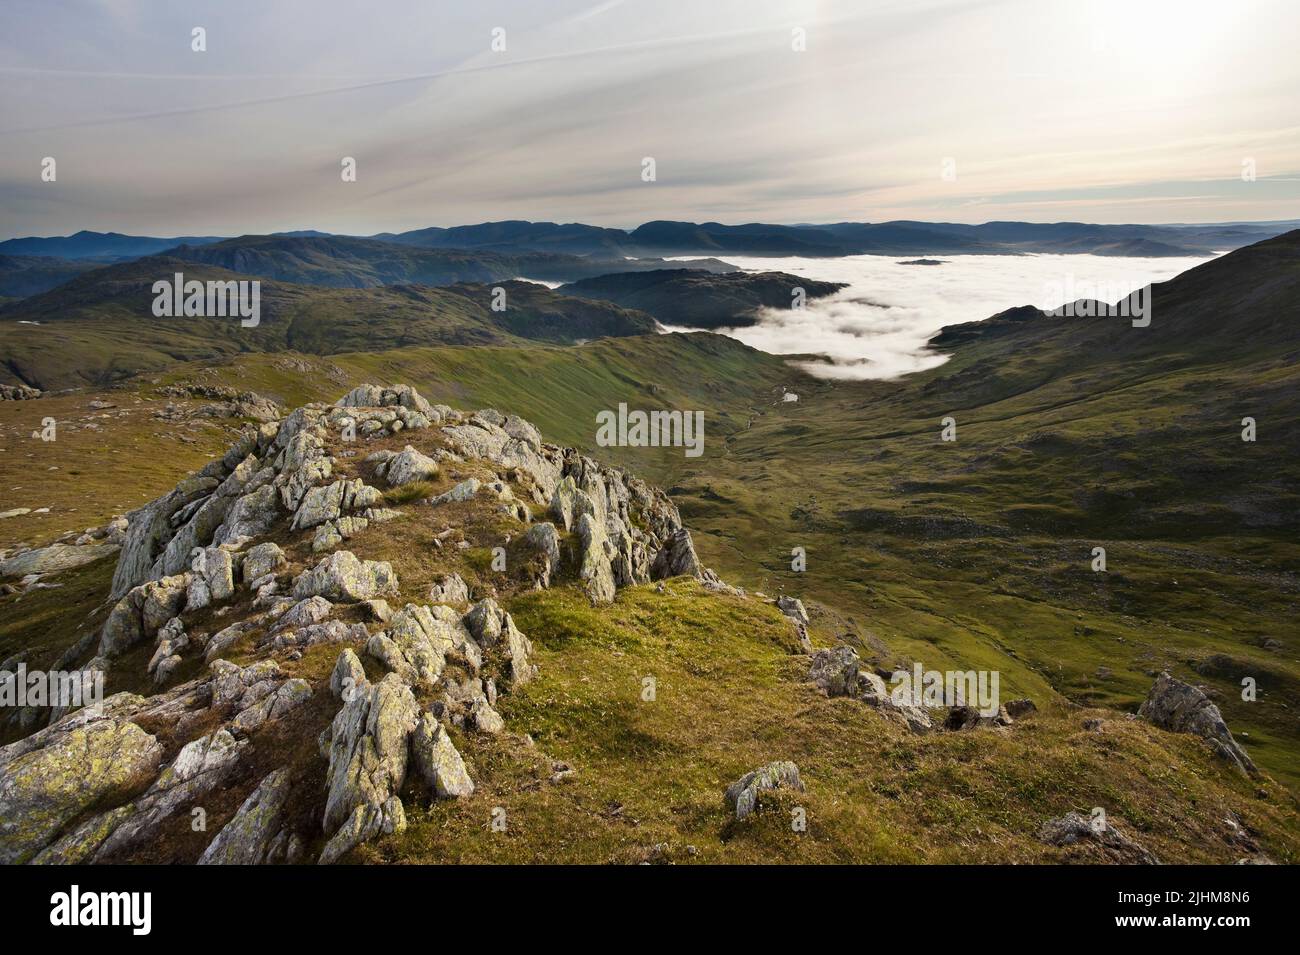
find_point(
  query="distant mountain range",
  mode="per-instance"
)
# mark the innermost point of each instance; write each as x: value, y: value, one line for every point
x: 662, y: 237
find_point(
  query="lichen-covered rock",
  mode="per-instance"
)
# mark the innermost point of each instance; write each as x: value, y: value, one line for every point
x: 450, y: 589
x: 596, y: 569
x: 417, y: 641
x: 329, y: 503
x: 348, y: 675
x: 304, y: 613
x: 835, y: 671
x: 1182, y: 708
x: 53, y: 559
x: 464, y: 491
x: 251, y: 836
x: 438, y: 761
x: 141, y: 613
x: 494, y: 630
x: 49, y: 779
x: 743, y: 794
x: 261, y: 560
x: 342, y: 576
x: 545, y: 540
x: 200, y: 766
x: 212, y: 577
x: 368, y: 754
x: 407, y: 467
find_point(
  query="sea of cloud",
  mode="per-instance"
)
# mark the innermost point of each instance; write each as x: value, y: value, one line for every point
x: 879, y: 325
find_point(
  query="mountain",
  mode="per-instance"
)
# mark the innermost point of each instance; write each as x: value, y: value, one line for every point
x: 103, y: 246
x: 699, y: 299
x: 23, y: 275
x: 342, y: 262
x: 517, y: 235
x: 100, y: 327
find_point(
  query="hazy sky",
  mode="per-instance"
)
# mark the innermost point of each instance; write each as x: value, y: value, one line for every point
x: 1106, y: 111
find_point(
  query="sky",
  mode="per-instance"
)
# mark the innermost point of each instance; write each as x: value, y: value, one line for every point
x: 752, y: 110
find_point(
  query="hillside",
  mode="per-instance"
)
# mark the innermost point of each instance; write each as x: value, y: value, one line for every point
x: 343, y: 262
x: 355, y: 678
x: 698, y: 299
x: 100, y: 327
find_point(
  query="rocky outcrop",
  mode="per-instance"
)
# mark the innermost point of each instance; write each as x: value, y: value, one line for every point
x: 404, y: 467
x: 368, y: 749
x: 343, y: 577
x: 1074, y: 828
x: 743, y: 795
x: 54, y: 559
x: 1182, y: 708
x: 52, y: 777
x: 257, y: 835
x: 437, y: 760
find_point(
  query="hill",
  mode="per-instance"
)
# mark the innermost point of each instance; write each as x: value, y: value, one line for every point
x: 698, y: 299
x: 342, y: 262
x: 333, y: 685
x: 100, y: 327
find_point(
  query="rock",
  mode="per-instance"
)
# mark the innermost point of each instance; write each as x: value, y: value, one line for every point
x: 49, y: 779
x: 368, y: 752
x: 199, y: 768
x: 464, y: 491
x: 54, y: 559
x: 288, y: 697
x: 967, y: 717
x: 1075, y: 827
x: 249, y: 838
x: 261, y: 560
x: 450, y: 589
x: 212, y: 577
x: 545, y: 539
x: 793, y: 608
x: 348, y: 677
x: 407, y: 467
x: 742, y: 795
x: 1018, y: 708
x: 494, y: 630
x: 304, y: 613
x: 677, y: 558
x: 341, y: 576
x: 569, y: 503
x: 141, y: 613
x: 329, y: 503
x: 595, y: 569
x: 437, y: 760
x: 835, y: 671
x: 1092, y: 725
x: 377, y: 610
x: 1182, y: 708
x: 417, y: 641
x: 485, y: 719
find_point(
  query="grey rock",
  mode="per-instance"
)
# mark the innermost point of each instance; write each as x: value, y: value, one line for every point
x: 438, y: 761
x: 1182, y: 708
x: 743, y: 794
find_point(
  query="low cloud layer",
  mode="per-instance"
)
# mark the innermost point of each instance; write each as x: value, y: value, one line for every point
x: 878, y: 326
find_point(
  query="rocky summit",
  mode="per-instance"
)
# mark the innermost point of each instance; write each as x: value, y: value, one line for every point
x: 252, y: 606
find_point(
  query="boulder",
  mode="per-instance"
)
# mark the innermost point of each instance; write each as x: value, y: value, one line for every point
x: 348, y: 677
x: 1182, y: 708
x: 342, y: 576
x: 743, y: 794
x: 51, y: 778
x: 252, y: 836
x: 1074, y: 827
x: 407, y: 467
x: 437, y: 760
x: 835, y: 671
x: 261, y: 560
x: 450, y: 589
